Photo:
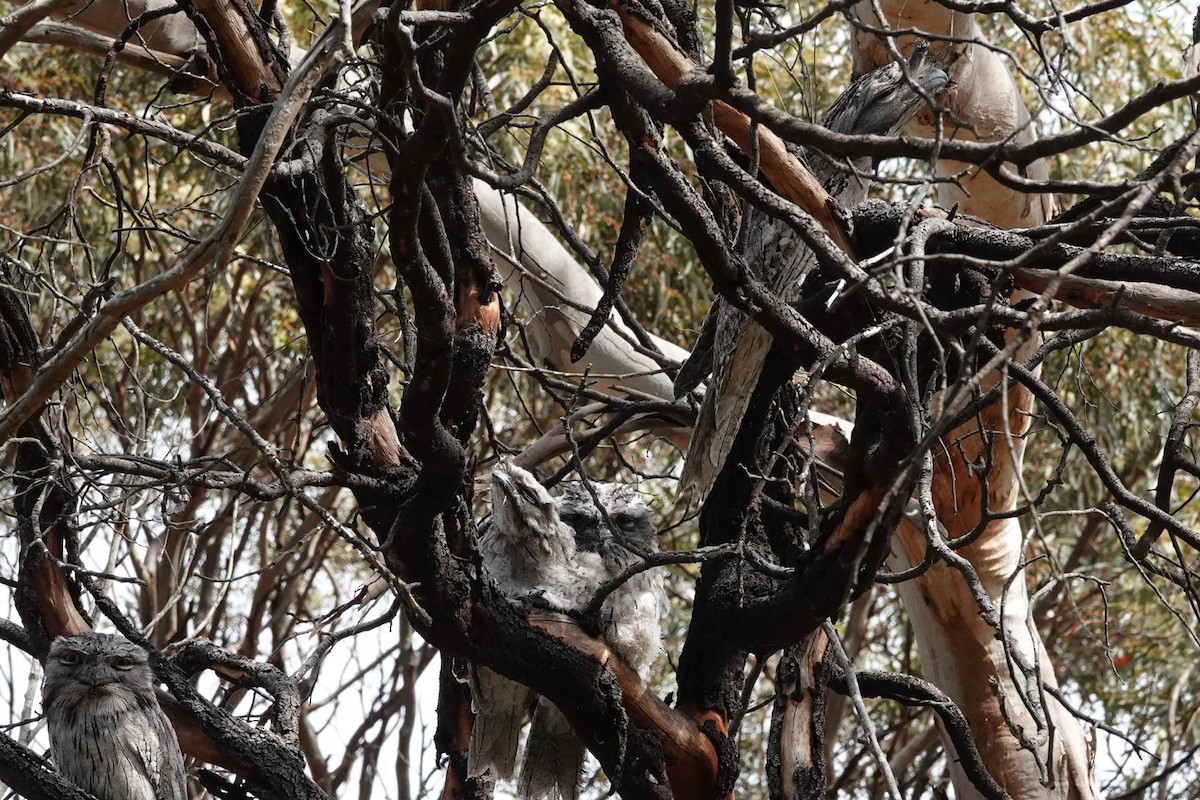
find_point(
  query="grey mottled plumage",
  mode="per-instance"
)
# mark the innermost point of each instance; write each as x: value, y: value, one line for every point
x: 733, y: 347
x: 527, y: 551
x: 107, y: 732
x: 620, y: 535
x: 554, y: 755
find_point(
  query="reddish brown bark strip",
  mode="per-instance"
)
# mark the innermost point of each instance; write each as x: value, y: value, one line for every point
x: 690, y: 757
x: 790, y: 178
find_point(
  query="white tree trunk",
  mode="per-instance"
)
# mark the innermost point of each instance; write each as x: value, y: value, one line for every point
x: 554, y: 295
x: 982, y: 94
x: 1032, y: 745
x: 173, y: 34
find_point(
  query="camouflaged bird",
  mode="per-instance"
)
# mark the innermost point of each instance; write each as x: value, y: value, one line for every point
x: 732, y: 346
x: 108, y: 734
x: 620, y: 531
x: 528, y: 551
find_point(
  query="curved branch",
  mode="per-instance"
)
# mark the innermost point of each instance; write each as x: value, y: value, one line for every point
x: 912, y: 691
x: 31, y: 777
x: 18, y: 23
x: 689, y: 755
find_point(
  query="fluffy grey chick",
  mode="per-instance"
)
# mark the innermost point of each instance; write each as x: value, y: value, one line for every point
x: 629, y: 618
x: 527, y: 551
x: 107, y: 732
x: 630, y: 615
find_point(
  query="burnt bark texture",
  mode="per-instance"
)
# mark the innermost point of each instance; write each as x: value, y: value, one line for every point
x: 384, y: 204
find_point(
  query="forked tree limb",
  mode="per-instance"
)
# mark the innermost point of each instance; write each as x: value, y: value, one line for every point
x: 244, y: 55
x: 691, y: 759
x: 18, y: 23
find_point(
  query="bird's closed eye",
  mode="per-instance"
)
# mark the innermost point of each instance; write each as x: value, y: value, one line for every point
x: 70, y: 658
x: 531, y: 494
x: 123, y: 662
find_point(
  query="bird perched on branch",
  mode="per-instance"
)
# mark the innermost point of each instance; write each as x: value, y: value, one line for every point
x: 107, y: 731
x: 528, y: 551
x: 732, y: 346
x: 561, y: 551
x: 620, y: 531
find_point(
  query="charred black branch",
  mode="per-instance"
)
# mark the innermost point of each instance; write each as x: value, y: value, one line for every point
x: 247, y: 673
x: 802, y: 676
x: 1173, y: 458
x: 44, y: 499
x: 877, y: 224
x: 30, y: 776
x: 989, y: 155
x: 637, y: 214
x: 912, y: 691
x: 326, y: 240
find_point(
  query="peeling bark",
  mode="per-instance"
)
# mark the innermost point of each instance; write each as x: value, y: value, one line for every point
x: 796, y: 750
x: 1033, y: 746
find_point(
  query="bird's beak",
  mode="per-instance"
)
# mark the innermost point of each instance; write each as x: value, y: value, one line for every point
x: 505, y: 483
x: 932, y: 79
x: 925, y: 72
x: 600, y: 534
x: 96, y: 676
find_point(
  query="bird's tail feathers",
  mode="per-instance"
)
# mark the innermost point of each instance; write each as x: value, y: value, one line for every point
x: 721, y: 413
x: 500, y: 708
x: 553, y: 756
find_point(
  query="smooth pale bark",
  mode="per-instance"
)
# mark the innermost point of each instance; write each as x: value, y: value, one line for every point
x: 1032, y: 745
x: 16, y: 25
x: 554, y: 295
x: 173, y: 34
x: 85, y: 41
x: 982, y: 94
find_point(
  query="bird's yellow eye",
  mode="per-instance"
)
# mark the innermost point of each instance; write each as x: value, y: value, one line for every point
x: 70, y: 657
x: 123, y: 662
